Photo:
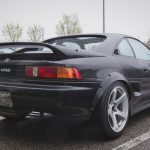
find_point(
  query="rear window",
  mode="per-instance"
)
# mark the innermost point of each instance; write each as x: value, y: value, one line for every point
x: 79, y: 42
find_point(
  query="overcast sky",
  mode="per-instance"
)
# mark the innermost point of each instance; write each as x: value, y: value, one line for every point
x: 122, y: 16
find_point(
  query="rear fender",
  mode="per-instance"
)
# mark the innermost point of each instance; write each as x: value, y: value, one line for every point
x: 106, y: 82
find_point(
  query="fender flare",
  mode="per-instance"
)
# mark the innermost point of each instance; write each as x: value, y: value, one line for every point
x: 106, y: 82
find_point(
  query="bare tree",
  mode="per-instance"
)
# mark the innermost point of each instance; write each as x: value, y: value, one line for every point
x: 148, y: 43
x: 36, y: 33
x: 68, y: 25
x: 12, y: 32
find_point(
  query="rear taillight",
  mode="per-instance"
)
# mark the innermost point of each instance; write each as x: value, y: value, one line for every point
x: 52, y: 72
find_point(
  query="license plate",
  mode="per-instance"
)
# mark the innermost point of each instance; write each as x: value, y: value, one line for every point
x: 5, y: 99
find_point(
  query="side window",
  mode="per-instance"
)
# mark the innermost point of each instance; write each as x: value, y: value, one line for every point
x: 125, y: 49
x: 141, y: 51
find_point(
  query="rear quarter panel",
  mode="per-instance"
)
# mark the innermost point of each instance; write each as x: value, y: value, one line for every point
x: 107, y: 70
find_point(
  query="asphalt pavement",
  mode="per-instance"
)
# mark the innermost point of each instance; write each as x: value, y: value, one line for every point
x: 54, y: 134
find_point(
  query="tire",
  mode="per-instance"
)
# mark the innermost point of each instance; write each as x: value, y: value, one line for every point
x: 113, y: 111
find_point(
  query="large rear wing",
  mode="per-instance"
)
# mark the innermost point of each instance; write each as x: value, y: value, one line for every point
x: 29, y: 51
x: 58, y: 52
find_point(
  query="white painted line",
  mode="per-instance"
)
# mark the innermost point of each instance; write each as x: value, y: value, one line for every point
x: 134, y: 142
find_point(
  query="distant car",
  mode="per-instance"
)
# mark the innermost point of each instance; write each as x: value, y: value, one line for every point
x: 104, y: 76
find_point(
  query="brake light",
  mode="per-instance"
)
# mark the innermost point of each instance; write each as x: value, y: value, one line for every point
x: 52, y: 72
x: 46, y: 72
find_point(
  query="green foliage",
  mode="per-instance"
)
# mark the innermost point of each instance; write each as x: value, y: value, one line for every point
x: 68, y: 25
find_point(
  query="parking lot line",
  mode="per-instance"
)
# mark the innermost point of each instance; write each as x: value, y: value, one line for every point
x: 134, y: 142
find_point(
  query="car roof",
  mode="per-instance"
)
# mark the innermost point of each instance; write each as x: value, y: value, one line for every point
x: 107, y: 46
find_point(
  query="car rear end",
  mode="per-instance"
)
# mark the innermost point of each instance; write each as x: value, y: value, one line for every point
x: 35, y: 79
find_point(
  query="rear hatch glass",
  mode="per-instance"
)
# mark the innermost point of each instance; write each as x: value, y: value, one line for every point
x: 78, y: 42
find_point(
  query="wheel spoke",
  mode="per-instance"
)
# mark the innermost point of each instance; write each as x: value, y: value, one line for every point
x: 120, y: 99
x: 114, y: 120
x: 109, y: 111
x: 121, y: 114
x: 114, y: 94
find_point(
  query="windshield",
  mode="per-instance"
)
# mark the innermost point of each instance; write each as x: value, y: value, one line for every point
x: 86, y: 43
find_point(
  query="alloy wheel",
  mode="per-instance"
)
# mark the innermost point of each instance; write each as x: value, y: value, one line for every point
x: 118, y: 108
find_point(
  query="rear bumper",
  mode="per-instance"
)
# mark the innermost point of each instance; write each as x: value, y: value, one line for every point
x: 67, y: 100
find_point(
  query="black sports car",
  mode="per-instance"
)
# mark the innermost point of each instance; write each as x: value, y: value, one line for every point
x: 104, y: 76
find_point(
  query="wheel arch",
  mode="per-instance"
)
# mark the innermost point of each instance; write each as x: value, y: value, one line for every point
x: 106, y: 82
